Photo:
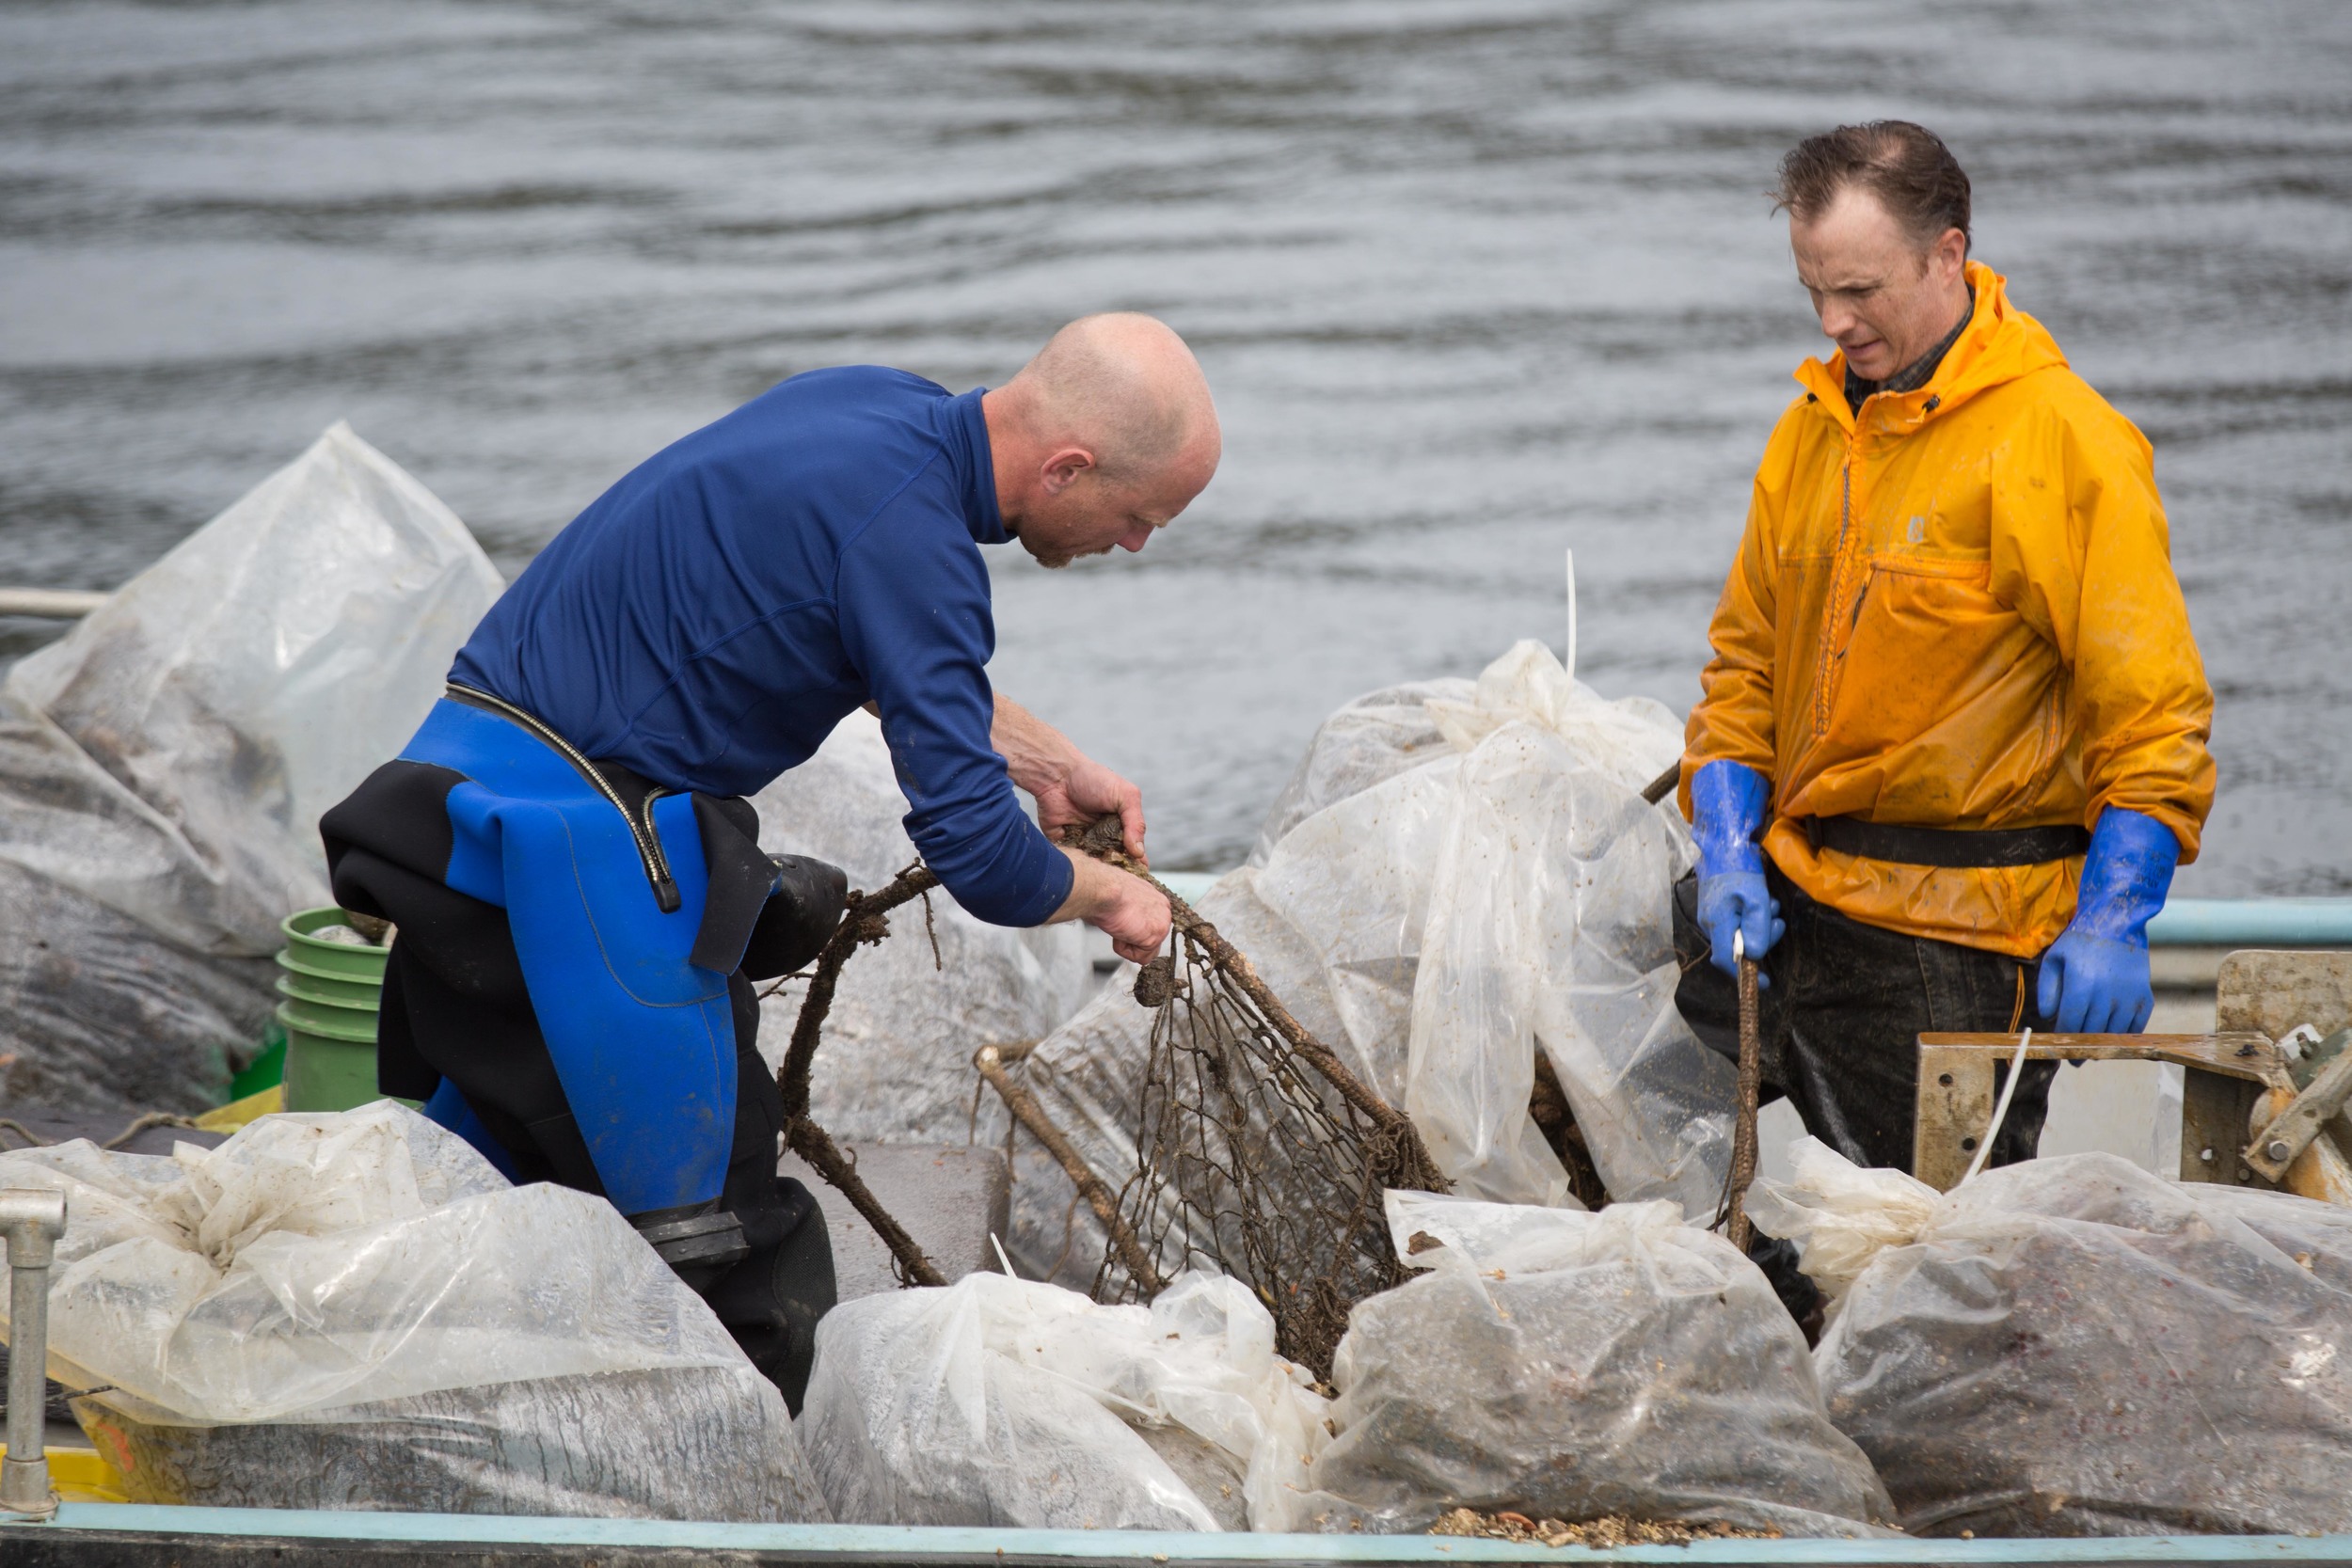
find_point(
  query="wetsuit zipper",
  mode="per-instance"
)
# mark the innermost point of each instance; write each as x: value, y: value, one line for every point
x: 648, y: 843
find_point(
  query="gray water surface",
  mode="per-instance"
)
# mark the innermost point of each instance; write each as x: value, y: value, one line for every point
x: 1474, y: 282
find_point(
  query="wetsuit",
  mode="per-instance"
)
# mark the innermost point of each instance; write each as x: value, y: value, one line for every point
x: 577, y: 883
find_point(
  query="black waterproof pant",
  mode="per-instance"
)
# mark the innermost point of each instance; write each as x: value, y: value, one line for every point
x: 1842, y: 1017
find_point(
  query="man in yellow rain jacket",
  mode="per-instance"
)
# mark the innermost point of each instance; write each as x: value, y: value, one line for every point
x: 1952, y: 739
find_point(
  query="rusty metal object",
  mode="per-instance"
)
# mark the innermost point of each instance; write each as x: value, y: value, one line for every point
x: 1102, y: 841
x: 2319, y: 1170
x: 2292, y: 1123
x: 2226, y: 1072
x: 1742, y: 1174
x: 994, y: 1066
x: 1255, y: 1150
x: 2273, y: 992
x: 863, y: 924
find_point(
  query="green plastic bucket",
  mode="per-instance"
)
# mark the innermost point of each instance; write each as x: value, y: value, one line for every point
x: 298, y: 979
x: 331, y: 992
x: 267, y: 1071
x: 343, y: 959
x: 328, y: 1071
x: 336, y: 1020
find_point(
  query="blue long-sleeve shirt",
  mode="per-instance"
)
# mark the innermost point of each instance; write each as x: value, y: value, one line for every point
x: 710, y: 618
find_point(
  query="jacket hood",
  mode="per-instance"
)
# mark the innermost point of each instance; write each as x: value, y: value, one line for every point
x: 1999, y: 344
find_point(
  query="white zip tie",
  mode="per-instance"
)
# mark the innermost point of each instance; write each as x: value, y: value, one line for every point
x: 2000, y: 1112
x: 1570, y: 660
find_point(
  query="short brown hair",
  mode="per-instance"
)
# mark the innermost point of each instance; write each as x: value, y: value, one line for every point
x: 1906, y: 166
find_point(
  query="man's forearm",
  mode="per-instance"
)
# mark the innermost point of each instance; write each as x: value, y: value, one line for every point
x: 1038, y: 755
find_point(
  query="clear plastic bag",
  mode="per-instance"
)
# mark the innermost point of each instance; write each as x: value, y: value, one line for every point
x: 166, y: 762
x: 1576, y: 1366
x: 364, y: 1284
x: 1549, y: 919
x: 2074, y: 1347
x: 1839, y: 1214
x: 97, y: 1013
x: 1455, y: 868
x: 1005, y: 1401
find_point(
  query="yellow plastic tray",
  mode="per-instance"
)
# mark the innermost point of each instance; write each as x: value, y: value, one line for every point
x: 81, y: 1476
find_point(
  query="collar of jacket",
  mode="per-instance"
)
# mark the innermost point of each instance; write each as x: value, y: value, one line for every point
x: 966, y: 444
x: 1999, y: 344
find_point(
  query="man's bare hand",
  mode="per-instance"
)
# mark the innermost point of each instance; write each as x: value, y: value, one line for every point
x: 1071, y: 788
x: 1091, y: 790
x: 1128, y: 909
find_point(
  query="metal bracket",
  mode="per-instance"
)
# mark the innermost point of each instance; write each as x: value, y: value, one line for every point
x: 2225, y: 1074
x: 33, y: 1220
x: 2290, y: 1132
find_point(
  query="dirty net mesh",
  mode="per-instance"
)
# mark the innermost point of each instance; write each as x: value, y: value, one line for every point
x: 1257, y: 1154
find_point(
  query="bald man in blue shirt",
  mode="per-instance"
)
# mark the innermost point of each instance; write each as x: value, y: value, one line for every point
x: 564, y: 844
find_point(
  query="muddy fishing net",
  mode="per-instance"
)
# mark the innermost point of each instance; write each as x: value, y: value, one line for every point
x: 863, y: 923
x: 1257, y: 1153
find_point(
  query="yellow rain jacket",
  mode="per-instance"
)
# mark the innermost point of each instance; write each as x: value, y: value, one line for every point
x: 1957, y: 609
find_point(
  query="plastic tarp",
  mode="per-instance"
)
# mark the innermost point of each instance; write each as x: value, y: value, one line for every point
x: 163, y: 765
x: 1574, y: 1366
x: 1003, y: 1402
x: 1550, y: 919
x: 1457, y: 873
x: 353, y: 1309
x: 2074, y: 1347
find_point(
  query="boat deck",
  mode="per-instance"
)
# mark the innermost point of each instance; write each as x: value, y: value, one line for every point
x: 127, y: 1535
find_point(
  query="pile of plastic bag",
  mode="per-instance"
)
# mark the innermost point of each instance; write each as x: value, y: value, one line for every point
x: 2076, y: 1347
x: 163, y: 765
x: 1005, y: 1401
x: 1456, y: 868
x: 354, y: 1310
x: 1575, y: 1366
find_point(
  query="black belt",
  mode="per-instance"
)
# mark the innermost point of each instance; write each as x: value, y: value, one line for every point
x: 1946, y: 847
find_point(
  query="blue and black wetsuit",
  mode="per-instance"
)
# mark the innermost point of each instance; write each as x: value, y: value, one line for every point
x: 577, y: 883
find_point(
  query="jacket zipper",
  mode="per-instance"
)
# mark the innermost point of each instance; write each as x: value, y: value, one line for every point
x: 657, y: 864
x: 1836, y: 585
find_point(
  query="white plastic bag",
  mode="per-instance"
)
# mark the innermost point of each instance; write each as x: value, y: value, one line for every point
x: 1839, y: 1214
x: 1550, y: 921
x: 353, y: 1309
x: 163, y: 766
x: 1007, y: 1401
x: 1575, y: 1366
x: 2074, y: 1346
x: 1456, y: 875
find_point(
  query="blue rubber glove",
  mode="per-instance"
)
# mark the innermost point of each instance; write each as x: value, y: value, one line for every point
x: 2094, y: 978
x: 1728, y: 804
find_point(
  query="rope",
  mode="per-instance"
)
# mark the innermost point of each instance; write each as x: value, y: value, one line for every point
x: 152, y: 1118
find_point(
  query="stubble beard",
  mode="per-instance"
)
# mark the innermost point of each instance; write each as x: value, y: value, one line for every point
x: 1056, y: 562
